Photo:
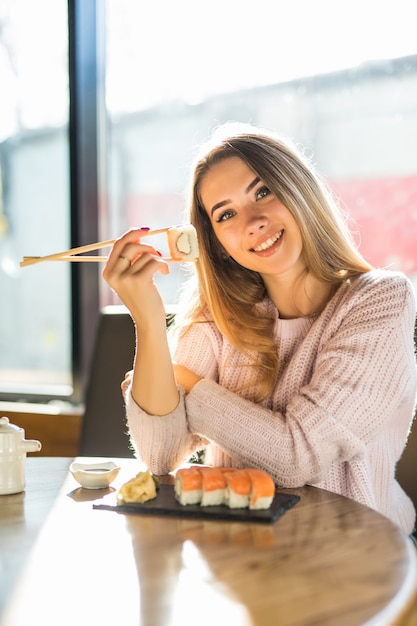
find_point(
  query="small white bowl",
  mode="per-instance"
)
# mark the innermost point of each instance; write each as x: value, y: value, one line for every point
x: 94, y: 475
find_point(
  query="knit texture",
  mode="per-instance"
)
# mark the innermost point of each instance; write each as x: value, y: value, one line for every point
x: 339, y: 415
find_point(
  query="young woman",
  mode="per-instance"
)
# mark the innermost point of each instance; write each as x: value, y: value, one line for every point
x: 291, y: 353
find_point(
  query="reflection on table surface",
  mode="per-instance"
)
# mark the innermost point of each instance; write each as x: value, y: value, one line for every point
x: 327, y: 561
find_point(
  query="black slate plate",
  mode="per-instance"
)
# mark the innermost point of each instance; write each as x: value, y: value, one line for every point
x: 166, y: 504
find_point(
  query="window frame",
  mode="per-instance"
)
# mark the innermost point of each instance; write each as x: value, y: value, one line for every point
x: 86, y: 44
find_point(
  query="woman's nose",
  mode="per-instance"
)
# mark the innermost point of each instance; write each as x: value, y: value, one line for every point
x: 256, y: 223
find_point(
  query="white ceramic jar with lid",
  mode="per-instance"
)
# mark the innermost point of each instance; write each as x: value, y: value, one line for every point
x: 13, y: 449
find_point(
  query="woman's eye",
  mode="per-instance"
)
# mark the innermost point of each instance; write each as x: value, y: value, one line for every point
x: 262, y: 192
x: 226, y: 215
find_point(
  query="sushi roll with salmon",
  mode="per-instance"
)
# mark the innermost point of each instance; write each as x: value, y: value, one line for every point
x: 262, y: 491
x: 214, y: 486
x: 188, y: 485
x: 239, y: 488
x: 200, y: 485
x: 235, y: 488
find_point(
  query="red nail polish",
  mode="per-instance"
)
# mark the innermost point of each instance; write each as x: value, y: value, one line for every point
x: 145, y: 228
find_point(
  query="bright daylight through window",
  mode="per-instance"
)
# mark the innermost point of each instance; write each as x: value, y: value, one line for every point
x: 339, y: 78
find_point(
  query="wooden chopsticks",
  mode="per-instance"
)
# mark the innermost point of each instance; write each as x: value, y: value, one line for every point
x: 71, y: 254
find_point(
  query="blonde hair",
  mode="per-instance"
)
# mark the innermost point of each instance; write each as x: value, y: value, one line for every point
x: 229, y: 292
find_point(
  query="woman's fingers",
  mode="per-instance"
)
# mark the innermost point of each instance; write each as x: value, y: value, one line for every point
x: 126, y: 382
x: 127, y: 246
x: 130, y: 271
x: 129, y: 255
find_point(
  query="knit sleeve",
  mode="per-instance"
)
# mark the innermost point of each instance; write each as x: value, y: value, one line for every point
x: 165, y: 442
x: 349, y: 376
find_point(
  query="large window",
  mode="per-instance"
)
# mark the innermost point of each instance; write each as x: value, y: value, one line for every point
x: 339, y: 78
x: 35, y: 322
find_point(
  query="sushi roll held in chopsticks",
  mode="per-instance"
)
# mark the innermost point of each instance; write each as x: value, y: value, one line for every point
x: 182, y: 243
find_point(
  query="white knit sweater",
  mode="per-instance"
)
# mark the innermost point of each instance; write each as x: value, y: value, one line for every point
x: 339, y: 415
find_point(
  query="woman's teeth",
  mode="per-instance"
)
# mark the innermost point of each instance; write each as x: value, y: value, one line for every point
x: 268, y: 243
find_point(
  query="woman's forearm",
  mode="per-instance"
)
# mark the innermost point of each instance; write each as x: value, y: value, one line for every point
x: 154, y: 386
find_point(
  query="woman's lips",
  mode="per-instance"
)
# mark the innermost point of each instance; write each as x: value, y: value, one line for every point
x: 268, y: 243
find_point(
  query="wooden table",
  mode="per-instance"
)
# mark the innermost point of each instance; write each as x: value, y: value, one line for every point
x: 327, y: 561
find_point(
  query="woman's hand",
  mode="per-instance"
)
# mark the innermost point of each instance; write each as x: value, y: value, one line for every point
x: 130, y: 271
x: 125, y: 383
x: 185, y: 377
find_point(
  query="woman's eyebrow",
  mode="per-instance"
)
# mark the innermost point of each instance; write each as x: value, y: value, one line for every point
x: 252, y: 184
x: 247, y: 190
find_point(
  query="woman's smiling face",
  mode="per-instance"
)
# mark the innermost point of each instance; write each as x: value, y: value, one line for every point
x: 252, y: 225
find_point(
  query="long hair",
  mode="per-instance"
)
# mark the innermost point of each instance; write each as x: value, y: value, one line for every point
x: 228, y: 292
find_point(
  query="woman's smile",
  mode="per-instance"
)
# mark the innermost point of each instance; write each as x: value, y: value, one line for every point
x: 270, y: 245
